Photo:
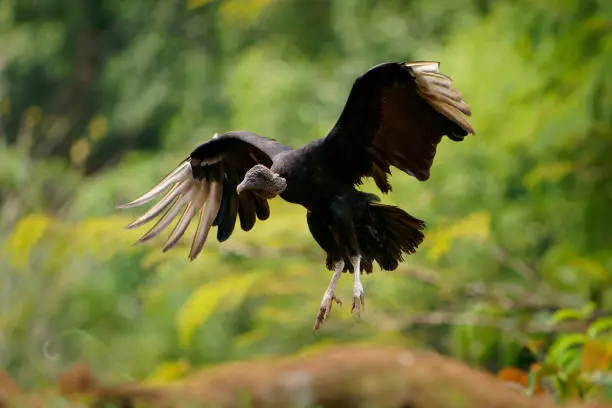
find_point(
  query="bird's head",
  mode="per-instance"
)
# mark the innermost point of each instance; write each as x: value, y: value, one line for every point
x: 263, y: 182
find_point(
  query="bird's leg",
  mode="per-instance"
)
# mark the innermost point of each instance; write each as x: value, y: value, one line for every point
x: 358, y: 293
x: 329, y: 297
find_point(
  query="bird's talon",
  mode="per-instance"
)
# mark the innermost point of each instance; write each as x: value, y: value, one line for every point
x: 325, y: 310
x: 356, y: 307
x: 321, y: 316
x: 358, y: 304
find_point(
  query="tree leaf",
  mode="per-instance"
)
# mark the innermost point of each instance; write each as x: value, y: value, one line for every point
x: 589, y: 266
x: 572, y: 314
x: 548, y: 172
x: 476, y: 225
x: 193, y: 4
x: 167, y: 372
x: 206, y: 299
x: 559, y: 350
x: 25, y: 236
x: 598, y: 326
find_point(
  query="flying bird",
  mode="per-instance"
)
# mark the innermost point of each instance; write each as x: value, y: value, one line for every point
x: 395, y: 116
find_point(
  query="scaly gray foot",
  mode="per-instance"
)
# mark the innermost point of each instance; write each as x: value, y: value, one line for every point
x: 358, y: 300
x: 326, y: 306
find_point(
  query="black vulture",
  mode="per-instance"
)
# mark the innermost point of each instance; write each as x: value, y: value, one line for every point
x: 395, y: 115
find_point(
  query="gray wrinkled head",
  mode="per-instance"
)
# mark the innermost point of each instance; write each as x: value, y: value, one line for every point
x: 263, y: 182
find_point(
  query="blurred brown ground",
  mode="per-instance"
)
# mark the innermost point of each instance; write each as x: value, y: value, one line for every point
x: 355, y: 376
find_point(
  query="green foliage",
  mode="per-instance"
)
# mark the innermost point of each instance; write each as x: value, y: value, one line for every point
x: 577, y: 365
x: 204, y: 301
x: 99, y: 102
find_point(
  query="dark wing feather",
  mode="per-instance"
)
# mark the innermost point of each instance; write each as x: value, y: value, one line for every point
x: 246, y: 210
x: 262, y: 209
x: 228, y: 211
x: 395, y: 115
x: 205, y: 183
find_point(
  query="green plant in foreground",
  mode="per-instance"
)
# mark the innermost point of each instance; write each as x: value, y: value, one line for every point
x: 577, y: 365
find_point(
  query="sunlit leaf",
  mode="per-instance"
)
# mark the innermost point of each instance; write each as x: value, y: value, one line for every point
x: 260, y: 333
x: 205, y: 300
x: 79, y: 151
x: 26, y: 234
x: 589, y: 267
x: 599, y: 326
x: 167, y: 372
x: 192, y: 4
x: 562, y: 346
x: 438, y: 246
x: 476, y: 225
x: 242, y: 12
x: 98, y: 127
x: 572, y: 314
x: 548, y: 172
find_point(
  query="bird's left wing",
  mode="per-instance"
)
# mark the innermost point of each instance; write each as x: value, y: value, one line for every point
x: 204, y: 185
x: 395, y: 115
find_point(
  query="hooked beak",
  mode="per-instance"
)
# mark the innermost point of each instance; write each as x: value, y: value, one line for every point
x: 241, y: 187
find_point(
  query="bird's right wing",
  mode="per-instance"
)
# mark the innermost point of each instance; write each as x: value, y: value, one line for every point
x: 204, y: 185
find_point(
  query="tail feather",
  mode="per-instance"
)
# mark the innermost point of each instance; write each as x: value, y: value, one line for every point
x: 388, y: 236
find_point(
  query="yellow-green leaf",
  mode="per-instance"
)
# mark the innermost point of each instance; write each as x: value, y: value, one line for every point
x: 79, y: 151
x: 476, y: 225
x: 98, y: 127
x: 206, y: 299
x: 569, y: 314
x: 601, y: 325
x: 25, y: 236
x: 192, y: 4
x: 590, y: 267
x: 167, y: 372
x: 242, y: 12
x: 548, y: 172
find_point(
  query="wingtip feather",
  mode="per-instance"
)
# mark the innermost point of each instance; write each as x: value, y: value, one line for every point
x: 179, y: 173
x: 198, y: 199
x: 167, y: 218
x: 207, y: 216
x: 423, y: 66
x: 436, y: 88
x: 186, y: 197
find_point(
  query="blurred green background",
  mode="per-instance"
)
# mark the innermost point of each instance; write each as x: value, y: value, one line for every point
x: 99, y: 99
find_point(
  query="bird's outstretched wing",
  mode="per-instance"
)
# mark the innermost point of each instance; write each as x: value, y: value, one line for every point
x: 204, y: 185
x: 395, y: 115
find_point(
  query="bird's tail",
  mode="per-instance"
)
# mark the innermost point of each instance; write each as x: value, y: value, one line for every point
x: 390, y: 234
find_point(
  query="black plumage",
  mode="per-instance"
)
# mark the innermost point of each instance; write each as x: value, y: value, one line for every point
x: 395, y: 116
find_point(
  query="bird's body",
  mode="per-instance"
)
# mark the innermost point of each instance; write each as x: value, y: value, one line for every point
x: 395, y: 115
x: 304, y: 173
